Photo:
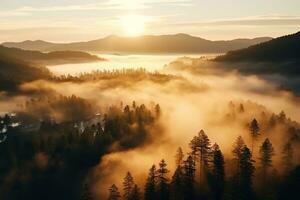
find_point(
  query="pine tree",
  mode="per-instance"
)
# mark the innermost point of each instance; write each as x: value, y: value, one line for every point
x: 114, y: 193
x: 237, y: 151
x: 189, y: 169
x: 177, y: 184
x: 150, y: 187
x: 163, y: 186
x: 200, y: 146
x: 266, y: 153
x: 136, y: 194
x: 85, y: 193
x: 246, y: 173
x: 254, y: 131
x: 128, y: 185
x: 287, y: 158
x: 179, y: 157
x: 218, y: 172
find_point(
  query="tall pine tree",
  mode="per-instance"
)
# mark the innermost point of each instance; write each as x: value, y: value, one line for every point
x: 150, y: 187
x: 163, y: 185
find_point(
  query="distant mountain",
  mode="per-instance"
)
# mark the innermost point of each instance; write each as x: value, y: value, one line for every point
x: 282, y: 49
x: 57, y: 57
x: 178, y: 43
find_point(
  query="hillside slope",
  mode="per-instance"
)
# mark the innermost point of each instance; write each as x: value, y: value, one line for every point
x: 57, y: 57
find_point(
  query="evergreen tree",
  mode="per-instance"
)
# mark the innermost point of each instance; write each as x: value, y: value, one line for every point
x: 157, y: 110
x: 128, y: 185
x: 136, y: 194
x: 218, y: 172
x: 246, y: 173
x: 200, y: 146
x: 163, y: 186
x: 266, y: 153
x: 241, y: 108
x: 179, y: 157
x: 237, y: 149
x: 85, y: 193
x: 114, y: 193
x: 177, y: 184
x: 150, y: 187
x: 254, y: 131
x: 189, y: 169
x: 287, y: 158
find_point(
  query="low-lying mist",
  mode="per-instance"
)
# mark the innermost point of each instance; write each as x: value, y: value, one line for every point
x: 197, y: 96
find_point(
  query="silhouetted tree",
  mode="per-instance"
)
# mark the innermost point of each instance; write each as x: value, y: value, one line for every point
x: 177, y: 184
x: 237, y: 151
x: 266, y: 153
x: 246, y: 173
x: 163, y: 186
x: 85, y: 193
x: 254, y: 131
x: 128, y: 185
x: 288, y: 155
x: 189, y: 169
x: 179, y: 157
x: 150, y: 187
x: 218, y: 172
x: 241, y: 108
x: 136, y: 194
x: 114, y: 193
x: 157, y: 110
x: 200, y: 146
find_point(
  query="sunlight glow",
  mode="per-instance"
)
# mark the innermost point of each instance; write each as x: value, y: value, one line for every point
x: 133, y: 25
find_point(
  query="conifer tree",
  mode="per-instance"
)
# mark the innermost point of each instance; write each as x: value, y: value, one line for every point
x: 254, y: 131
x: 177, y: 184
x: 163, y: 186
x: 150, y: 187
x: 136, y: 194
x: 266, y: 153
x: 200, y: 146
x: 287, y: 158
x: 218, y: 172
x: 128, y: 185
x: 114, y: 193
x: 189, y: 169
x: 246, y: 173
x: 179, y: 157
x: 85, y: 193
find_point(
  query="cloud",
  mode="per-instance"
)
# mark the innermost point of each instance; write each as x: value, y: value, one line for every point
x: 108, y: 5
x: 249, y: 21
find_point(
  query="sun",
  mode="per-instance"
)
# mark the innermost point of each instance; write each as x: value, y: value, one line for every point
x: 133, y: 25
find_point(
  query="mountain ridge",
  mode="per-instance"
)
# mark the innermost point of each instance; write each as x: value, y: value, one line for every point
x: 176, y: 43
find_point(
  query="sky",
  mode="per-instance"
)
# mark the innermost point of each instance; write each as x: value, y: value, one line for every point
x: 82, y: 20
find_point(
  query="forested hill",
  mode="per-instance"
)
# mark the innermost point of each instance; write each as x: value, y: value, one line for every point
x: 14, y: 72
x: 58, y: 57
x: 282, y: 49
